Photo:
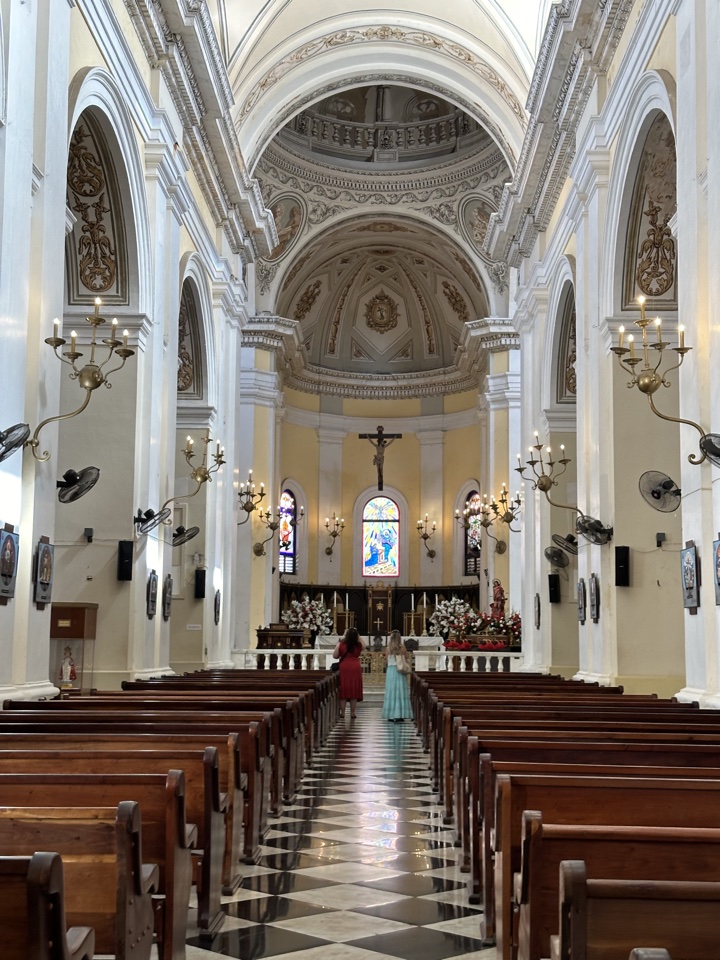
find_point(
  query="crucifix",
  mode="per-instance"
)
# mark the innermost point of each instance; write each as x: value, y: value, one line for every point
x: 380, y: 441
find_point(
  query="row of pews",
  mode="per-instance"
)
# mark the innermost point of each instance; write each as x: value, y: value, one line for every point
x: 588, y: 819
x: 140, y: 795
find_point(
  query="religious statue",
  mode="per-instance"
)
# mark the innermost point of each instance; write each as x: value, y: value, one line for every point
x: 497, y: 607
x: 381, y: 443
x: 68, y: 673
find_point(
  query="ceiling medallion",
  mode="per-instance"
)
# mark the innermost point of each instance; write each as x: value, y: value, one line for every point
x: 381, y: 313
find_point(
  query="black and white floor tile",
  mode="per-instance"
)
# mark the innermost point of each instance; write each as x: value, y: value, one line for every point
x: 360, y: 867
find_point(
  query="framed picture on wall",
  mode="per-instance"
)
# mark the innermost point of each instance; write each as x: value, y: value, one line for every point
x: 152, y: 592
x: 582, y: 616
x: 9, y: 548
x: 689, y: 576
x: 716, y: 570
x: 44, y: 569
x: 594, y: 591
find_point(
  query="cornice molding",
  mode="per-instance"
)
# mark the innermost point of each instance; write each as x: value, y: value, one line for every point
x: 502, y: 391
x: 340, y: 425
x: 190, y: 417
x: 269, y: 332
x: 178, y: 40
x: 579, y: 43
x: 494, y: 333
x: 559, y: 420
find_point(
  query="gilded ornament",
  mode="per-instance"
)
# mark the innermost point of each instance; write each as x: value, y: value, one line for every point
x: 381, y: 313
x: 655, y: 273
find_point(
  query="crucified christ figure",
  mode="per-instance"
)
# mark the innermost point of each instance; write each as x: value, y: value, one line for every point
x: 380, y: 442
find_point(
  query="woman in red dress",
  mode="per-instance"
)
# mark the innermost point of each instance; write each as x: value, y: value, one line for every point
x: 348, y: 651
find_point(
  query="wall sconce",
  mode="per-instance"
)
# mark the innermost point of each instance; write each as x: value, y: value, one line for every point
x: 201, y: 474
x: 90, y: 376
x: 544, y: 477
x: 334, y: 527
x: 272, y: 522
x: 486, y: 517
x: 248, y: 498
x: 505, y: 509
x: 648, y: 380
x: 422, y: 529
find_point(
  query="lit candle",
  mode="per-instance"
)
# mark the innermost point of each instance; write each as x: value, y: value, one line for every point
x: 562, y: 449
x: 681, y: 331
x: 334, y: 599
x: 641, y: 301
x: 658, y: 323
x: 188, y: 446
x: 98, y: 301
x: 621, y: 331
x: 56, y: 328
x: 424, y: 600
x: 114, y: 328
x: 631, y: 341
x: 126, y: 334
x: 433, y: 526
x: 217, y: 449
x: 347, y: 602
x: 73, y: 334
x: 412, y: 601
x: 457, y: 514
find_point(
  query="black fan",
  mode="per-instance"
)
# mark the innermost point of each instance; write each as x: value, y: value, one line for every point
x: 659, y: 491
x: 568, y: 543
x: 556, y: 556
x: 710, y: 446
x: 75, y: 485
x: 145, y: 522
x: 182, y: 535
x: 593, y: 530
x: 12, y: 439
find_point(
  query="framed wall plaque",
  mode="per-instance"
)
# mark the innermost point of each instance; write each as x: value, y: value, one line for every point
x: 152, y: 591
x: 594, y: 591
x: 582, y: 615
x: 9, y: 550
x: 44, y: 569
x: 690, y: 577
x: 167, y: 597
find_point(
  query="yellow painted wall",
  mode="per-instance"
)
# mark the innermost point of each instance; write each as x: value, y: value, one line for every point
x: 455, y: 402
x: 299, y: 459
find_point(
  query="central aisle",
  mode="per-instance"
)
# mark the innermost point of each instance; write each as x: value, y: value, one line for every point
x: 360, y: 867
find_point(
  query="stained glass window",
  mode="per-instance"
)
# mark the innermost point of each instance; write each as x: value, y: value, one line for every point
x: 473, y: 544
x: 381, y: 538
x: 287, y: 531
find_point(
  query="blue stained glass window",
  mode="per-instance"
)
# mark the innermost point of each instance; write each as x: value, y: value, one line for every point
x: 287, y: 531
x: 381, y: 538
x: 473, y: 544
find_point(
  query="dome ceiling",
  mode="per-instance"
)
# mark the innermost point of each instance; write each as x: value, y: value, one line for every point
x: 382, y: 298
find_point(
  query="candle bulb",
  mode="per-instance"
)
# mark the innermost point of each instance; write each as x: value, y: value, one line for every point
x: 126, y: 334
x: 621, y: 331
x: 347, y: 603
x: 424, y: 600
x: 56, y: 328
x: 98, y: 301
x: 73, y: 335
x: 412, y: 601
x: 631, y: 341
x: 681, y: 331
x: 641, y: 301
x: 114, y: 329
x: 658, y: 324
x: 433, y: 526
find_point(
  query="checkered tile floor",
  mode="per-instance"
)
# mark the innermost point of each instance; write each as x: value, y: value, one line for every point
x: 360, y: 867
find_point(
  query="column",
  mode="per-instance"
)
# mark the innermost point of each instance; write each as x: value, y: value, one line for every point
x: 432, y: 444
x: 330, y: 444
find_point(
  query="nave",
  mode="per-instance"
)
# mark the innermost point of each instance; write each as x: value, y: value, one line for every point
x: 360, y: 867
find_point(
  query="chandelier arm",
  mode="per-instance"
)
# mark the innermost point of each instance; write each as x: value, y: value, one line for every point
x: 564, y: 506
x: 691, y: 423
x: 33, y: 441
x: 114, y: 369
x: 179, y: 496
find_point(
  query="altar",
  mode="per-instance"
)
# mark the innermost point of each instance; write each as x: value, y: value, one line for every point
x: 429, y: 644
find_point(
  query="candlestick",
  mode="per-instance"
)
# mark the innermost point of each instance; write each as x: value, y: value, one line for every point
x: 114, y: 328
x: 347, y: 603
x: 621, y: 331
x: 424, y: 600
x: 56, y: 328
x: 681, y: 331
x: 412, y: 597
x: 658, y: 323
x: 126, y: 334
x: 641, y: 301
x: 631, y: 341
x: 73, y: 335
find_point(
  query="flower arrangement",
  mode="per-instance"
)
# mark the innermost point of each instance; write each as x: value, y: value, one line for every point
x: 310, y: 614
x: 452, y: 616
x: 494, y: 632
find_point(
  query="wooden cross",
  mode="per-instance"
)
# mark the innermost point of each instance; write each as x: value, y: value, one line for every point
x: 380, y: 441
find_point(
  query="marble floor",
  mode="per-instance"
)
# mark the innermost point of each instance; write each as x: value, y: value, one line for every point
x: 360, y: 867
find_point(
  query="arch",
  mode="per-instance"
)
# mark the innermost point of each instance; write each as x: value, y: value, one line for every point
x: 562, y: 284
x: 392, y: 493
x: 370, y: 48
x: 96, y: 90
x: 303, y: 544
x: 654, y: 93
x: 194, y: 270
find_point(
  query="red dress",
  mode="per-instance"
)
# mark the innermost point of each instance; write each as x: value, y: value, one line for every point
x: 351, y: 687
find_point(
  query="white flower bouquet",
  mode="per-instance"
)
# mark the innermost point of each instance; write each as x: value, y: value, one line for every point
x: 310, y: 614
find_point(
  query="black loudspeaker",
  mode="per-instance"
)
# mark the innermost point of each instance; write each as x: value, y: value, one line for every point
x: 200, y: 584
x: 125, y: 560
x: 622, y: 566
x: 554, y: 587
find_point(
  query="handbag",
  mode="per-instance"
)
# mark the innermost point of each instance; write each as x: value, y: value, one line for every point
x: 335, y: 665
x: 402, y: 665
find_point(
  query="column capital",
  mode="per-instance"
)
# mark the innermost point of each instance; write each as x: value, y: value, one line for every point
x: 502, y: 390
x: 329, y: 435
x: 430, y: 437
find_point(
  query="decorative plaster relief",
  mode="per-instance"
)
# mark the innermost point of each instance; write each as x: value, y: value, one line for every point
x: 381, y: 313
x: 456, y: 301
x: 307, y: 300
x: 189, y: 375
x: 289, y: 214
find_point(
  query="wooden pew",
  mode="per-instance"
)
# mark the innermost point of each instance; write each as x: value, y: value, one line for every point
x: 606, y: 919
x: 255, y: 747
x: 167, y: 839
x: 609, y: 852
x: 107, y: 887
x: 172, y: 748
x: 204, y: 805
x: 32, y: 912
x: 621, y: 801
